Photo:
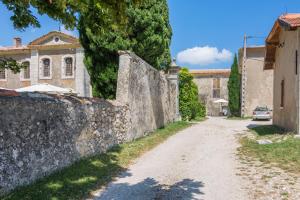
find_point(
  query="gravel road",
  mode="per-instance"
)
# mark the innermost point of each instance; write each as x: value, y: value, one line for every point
x: 197, y: 163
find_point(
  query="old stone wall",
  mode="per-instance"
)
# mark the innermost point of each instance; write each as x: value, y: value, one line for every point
x: 150, y: 95
x: 42, y: 133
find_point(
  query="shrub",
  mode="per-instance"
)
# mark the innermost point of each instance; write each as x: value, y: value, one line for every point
x: 189, y: 105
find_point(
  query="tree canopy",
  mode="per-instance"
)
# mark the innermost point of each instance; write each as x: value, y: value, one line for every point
x: 234, y: 89
x: 106, y: 26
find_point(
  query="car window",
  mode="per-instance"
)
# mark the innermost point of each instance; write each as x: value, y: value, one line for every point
x: 261, y: 109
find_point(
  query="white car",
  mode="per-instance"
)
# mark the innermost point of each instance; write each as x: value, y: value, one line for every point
x: 262, y: 113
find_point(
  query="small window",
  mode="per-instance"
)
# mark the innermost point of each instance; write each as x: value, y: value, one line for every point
x: 2, y: 74
x: 26, y: 70
x: 282, y: 94
x: 68, y: 67
x: 46, y: 67
x: 216, y: 88
x: 56, y: 39
x: 296, y: 62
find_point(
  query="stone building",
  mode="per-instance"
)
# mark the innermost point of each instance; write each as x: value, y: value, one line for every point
x: 282, y: 56
x: 55, y: 58
x: 212, y: 85
x: 257, y: 83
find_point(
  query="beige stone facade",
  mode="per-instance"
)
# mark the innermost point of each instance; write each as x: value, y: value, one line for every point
x: 257, y: 83
x: 282, y: 56
x: 212, y: 85
x: 55, y: 58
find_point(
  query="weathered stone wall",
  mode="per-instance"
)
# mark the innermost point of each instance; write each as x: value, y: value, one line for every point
x: 150, y: 95
x: 45, y: 133
x: 42, y: 133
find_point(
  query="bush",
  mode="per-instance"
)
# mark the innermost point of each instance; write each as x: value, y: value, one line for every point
x: 189, y: 105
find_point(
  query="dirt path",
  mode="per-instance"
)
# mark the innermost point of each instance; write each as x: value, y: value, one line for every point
x: 197, y: 163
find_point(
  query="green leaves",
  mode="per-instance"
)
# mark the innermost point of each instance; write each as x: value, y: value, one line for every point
x: 189, y: 104
x: 234, y: 89
x: 11, y: 64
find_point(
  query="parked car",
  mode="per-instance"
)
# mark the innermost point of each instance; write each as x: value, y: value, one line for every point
x: 263, y: 113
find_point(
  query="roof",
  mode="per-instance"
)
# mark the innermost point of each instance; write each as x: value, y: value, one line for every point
x: 52, y: 33
x: 36, y: 44
x: 210, y: 72
x: 289, y: 22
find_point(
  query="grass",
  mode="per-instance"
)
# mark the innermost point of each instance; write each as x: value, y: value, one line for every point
x: 284, y: 152
x: 80, y: 179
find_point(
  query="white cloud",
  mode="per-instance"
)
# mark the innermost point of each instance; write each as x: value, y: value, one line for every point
x: 204, y: 55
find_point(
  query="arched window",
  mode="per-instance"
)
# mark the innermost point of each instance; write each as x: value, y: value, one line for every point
x: 3, y: 74
x: 67, y: 67
x: 25, y: 71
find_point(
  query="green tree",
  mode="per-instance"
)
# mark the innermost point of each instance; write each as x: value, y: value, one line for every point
x: 189, y: 105
x: 234, y: 89
x: 106, y: 26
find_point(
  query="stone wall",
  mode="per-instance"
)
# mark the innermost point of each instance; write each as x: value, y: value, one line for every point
x: 42, y: 133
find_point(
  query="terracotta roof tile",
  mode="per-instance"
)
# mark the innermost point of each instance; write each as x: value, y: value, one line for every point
x: 204, y: 72
x: 292, y: 20
x: 8, y: 93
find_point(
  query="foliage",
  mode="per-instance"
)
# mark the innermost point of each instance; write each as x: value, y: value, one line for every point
x: 11, y: 64
x: 89, y: 174
x: 189, y: 105
x: 106, y: 26
x: 142, y: 27
x: 234, y: 89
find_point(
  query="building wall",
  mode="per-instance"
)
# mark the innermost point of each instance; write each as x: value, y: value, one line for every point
x: 80, y: 82
x: 40, y: 133
x: 259, y: 82
x: 13, y: 81
x: 205, y: 87
x: 285, y: 70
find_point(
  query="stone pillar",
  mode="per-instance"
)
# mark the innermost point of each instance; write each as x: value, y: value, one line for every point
x: 82, y: 78
x: 174, y: 78
x: 34, y: 69
x: 123, y: 74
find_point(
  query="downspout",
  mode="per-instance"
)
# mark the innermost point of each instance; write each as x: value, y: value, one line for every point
x: 298, y: 86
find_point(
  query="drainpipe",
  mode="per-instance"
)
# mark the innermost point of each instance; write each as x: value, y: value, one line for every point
x: 298, y: 87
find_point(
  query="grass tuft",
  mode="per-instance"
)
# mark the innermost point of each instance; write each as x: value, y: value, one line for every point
x: 80, y: 179
x: 284, y: 152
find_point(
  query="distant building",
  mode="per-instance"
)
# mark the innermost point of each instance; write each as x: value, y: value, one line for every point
x: 282, y: 56
x: 256, y: 83
x: 55, y: 58
x: 212, y: 85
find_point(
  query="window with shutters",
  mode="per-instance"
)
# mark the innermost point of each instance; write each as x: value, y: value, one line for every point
x: 3, y: 75
x: 25, y: 72
x: 67, y: 67
x: 216, y: 88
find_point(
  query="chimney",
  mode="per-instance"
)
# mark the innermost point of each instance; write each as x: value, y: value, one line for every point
x: 17, y: 42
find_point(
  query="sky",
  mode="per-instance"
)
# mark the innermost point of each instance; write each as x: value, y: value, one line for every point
x: 206, y: 33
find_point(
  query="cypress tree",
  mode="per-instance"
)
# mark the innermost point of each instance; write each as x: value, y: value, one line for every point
x: 234, y: 89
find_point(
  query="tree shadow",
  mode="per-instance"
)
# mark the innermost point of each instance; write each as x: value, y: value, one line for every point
x: 263, y: 130
x: 75, y: 181
x: 150, y: 189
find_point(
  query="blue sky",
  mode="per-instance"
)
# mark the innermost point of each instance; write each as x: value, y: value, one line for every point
x: 201, y: 28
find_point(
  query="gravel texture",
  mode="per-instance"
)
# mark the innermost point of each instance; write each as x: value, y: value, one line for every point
x: 198, y: 163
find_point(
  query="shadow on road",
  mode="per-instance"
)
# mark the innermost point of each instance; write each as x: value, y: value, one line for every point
x: 150, y: 189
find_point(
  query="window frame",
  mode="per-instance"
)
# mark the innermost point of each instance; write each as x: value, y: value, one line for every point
x: 215, y: 89
x: 282, y: 93
x: 41, y: 68
x: 5, y: 79
x: 63, y: 67
x: 22, y: 78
